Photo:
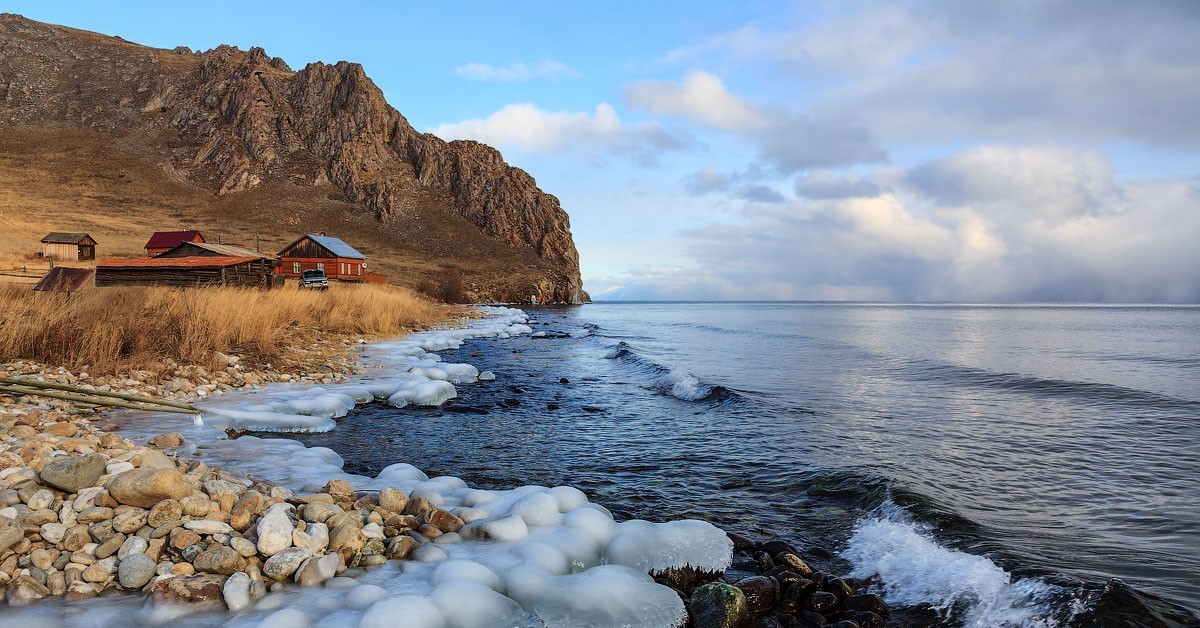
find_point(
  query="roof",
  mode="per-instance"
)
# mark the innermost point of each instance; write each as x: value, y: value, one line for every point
x: 168, y: 239
x: 332, y: 244
x: 64, y: 279
x: 195, y: 261
x: 228, y: 250
x: 65, y: 238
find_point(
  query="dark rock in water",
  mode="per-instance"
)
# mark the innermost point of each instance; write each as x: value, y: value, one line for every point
x: 592, y: 409
x: 863, y: 619
x: 765, y: 563
x: 761, y: 593
x: 866, y: 602
x: 794, y: 562
x: 458, y: 408
x: 769, y: 622
x: 819, y: 552
x: 741, y: 543
x: 510, y: 402
x: 847, y: 624
x: 838, y: 587
x: 517, y: 389
x: 686, y: 579
x: 552, y: 406
x: 718, y: 605
x: 799, y: 590
x: 812, y: 618
x: 779, y: 547
x: 789, y: 607
x: 783, y: 574
x: 823, y: 602
x: 563, y: 380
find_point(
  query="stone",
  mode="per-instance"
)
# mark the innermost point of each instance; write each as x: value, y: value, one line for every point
x: 130, y: 520
x: 41, y: 500
x: 41, y: 517
x: 42, y: 559
x: 110, y: 545
x: 314, y: 537
x: 169, y: 440
x: 201, y: 590
x: 243, y: 512
x: 822, y: 602
x: 317, y: 569
x: 418, y: 506
x: 133, y: 545
x: 320, y: 512
x: 219, y: 559
x: 74, y: 539
x: 195, y: 505
x: 155, y: 459
x: 96, y: 573
x: 339, y: 490
x: 275, y: 530
x: 135, y: 571
x: 401, y: 547
x: 761, y: 593
x: 236, y: 591
x: 243, y: 546
x: 10, y: 533
x: 146, y: 487
x: 285, y: 563
x: 95, y: 514
x: 346, y: 539
x: 204, y: 526
x: 62, y: 429
x: 443, y: 520
x: 393, y: 500
x: 718, y: 605
x: 868, y: 602
x: 164, y: 512
x: 25, y: 590
x: 72, y: 474
x: 182, y: 538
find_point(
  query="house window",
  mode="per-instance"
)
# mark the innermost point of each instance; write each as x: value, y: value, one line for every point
x: 360, y: 269
x: 296, y: 267
x: 341, y: 268
x: 321, y: 266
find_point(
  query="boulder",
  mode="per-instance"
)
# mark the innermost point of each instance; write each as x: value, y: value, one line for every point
x: 71, y: 474
x: 275, y: 530
x: 135, y: 571
x: 198, y: 590
x: 219, y: 559
x: 169, y: 440
x: 146, y: 487
x: 719, y: 605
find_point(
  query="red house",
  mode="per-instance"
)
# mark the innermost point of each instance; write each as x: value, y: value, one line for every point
x: 163, y: 241
x: 321, y: 252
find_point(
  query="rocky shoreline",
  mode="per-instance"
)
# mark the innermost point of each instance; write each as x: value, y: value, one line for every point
x: 87, y: 512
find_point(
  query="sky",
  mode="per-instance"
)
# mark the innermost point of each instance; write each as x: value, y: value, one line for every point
x: 1030, y: 150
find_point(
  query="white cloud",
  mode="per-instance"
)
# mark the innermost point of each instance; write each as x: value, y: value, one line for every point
x: 516, y: 71
x: 700, y: 97
x: 526, y: 127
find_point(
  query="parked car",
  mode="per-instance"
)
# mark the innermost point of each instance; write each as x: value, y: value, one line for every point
x: 314, y: 279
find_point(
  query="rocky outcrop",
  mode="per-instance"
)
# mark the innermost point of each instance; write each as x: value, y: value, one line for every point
x: 249, y: 119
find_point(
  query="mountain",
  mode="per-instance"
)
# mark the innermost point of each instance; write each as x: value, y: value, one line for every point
x: 102, y: 135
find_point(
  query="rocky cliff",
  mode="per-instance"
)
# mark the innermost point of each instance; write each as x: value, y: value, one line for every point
x: 229, y: 121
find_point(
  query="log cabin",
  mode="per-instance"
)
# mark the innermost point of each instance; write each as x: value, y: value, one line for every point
x: 191, y: 264
x: 314, y: 251
x: 68, y: 247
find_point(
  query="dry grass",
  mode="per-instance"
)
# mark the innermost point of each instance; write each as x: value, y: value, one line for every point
x: 114, y: 330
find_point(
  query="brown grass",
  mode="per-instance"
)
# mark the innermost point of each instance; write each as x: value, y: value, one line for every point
x: 114, y: 330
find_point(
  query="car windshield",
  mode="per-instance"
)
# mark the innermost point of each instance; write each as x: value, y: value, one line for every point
x: 314, y: 274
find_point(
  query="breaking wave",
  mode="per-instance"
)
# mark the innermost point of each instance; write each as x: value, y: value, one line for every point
x: 674, y: 381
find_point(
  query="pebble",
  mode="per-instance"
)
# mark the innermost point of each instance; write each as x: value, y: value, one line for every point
x: 136, y: 570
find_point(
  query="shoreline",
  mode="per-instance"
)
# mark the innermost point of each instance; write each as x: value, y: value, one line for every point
x: 222, y: 506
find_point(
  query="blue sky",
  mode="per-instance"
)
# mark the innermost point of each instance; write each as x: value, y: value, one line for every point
x: 1028, y: 150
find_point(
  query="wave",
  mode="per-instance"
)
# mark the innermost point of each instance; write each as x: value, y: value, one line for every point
x: 674, y: 381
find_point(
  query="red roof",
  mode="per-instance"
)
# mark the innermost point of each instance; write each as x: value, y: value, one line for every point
x: 174, y: 262
x: 170, y: 239
x: 64, y: 279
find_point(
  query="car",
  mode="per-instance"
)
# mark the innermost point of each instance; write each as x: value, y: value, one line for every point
x: 314, y: 279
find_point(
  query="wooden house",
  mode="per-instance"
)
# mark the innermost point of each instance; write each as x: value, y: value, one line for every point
x: 321, y: 252
x: 163, y: 241
x: 190, y: 264
x: 69, y: 247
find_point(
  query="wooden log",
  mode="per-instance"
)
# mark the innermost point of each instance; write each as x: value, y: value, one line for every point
x: 89, y: 391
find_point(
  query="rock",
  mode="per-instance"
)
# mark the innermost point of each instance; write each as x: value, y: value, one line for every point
x: 154, y: 459
x: 822, y: 602
x: 236, y: 591
x: 135, y: 571
x: 275, y: 530
x: 75, y: 538
x: 204, y: 526
x: 443, y: 520
x: 868, y: 602
x: 63, y: 429
x: 96, y: 573
x: 10, y: 533
x: 243, y: 546
x: 243, y: 512
x: 199, y: 590
x: 401, y: 547
x: 393, y: 500
x: 110, y: 545
x: 346, y: 539
x: 761, y: 593
x: 146, y: 487
x: 285, y: 563
x: 41, y: 500
x: 687, y: 578
x: 96, y: 514
x: 25, y: 590
x: 169, y: 440
x: 317, y: 569
x: 320, y: 512
x: 418, y: 506
x: 133, y: 545
x: 718, y: 605
x: 164, y: 512
x: 314, y: 537
x: 219, y: 559
x: 182, y: 538
x: 130, y: 520
x: 339, y: 490
x: 53, y: 533
x: 39, y: 517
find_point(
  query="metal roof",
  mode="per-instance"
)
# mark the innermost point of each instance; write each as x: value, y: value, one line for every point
x: 196, y: 261
x: 65, y: 238
x: 168, y: 239
x: 332, y: 244
x: 229, y: 250
x: 64, y: 279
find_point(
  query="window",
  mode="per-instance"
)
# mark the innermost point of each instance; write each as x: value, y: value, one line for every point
x: 296, y: 267
x: 341, y: 268
x: 321, y: 266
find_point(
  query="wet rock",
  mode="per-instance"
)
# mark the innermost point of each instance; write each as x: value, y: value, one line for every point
x: 793, y: 562
x: 146, y: 487
x: 777, y: 546
x: 863, y: 619
x: 71, y: 474
x: 317, y: 569
x: 838, y: 587
x: 135, y: 571
x: 219, y: 559
x: 718, y: 605
x: 687, y: 578
x: 822, y: 602
x: 761, y: 593
x: 25, y: 590
x: 285, y: 563
x: 866, y: 602
x: 236, y: 591
x: 764, y: 560
x: 199, y: 590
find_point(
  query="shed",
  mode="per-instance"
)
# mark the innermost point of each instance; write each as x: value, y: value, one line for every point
x: 188, y: 271
x: 206, y: 249
x: 64, y: 279
x: 314, y: 251
x: 163, y: 241
x: 70, y: 247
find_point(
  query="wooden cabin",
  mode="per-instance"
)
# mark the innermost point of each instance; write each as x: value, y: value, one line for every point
x: 190, y: 264
x: 69, y: 247
x: 321, y: 252
x: 163, y: 241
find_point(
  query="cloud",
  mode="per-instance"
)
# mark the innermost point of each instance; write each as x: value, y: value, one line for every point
x: 516, y: 71
x: 827, y: 184
x: 990, y: 224
x: 526, y: 127
x: 706, y: 180
x: 786, y: 141
x: 759, y: 193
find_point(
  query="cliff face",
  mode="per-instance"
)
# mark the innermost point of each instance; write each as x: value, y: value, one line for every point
x: 240, y: 120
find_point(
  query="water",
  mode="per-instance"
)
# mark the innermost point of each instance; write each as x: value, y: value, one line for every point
x: 999, y: 463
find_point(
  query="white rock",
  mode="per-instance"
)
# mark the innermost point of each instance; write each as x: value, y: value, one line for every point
x: 285, y: 562
x: 132, y: 545
x: 114, y: 468
x: 52, y: 533
x: 237, y: 591
x: 40, y: 500
x: 275, y: 530
x: 204, y: 526
x: 314, y: 537
x: 373, y: 531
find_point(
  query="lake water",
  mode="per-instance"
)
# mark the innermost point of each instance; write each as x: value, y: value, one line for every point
x: 1001, y: 463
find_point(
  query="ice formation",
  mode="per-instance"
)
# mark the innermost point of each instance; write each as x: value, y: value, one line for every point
x: 528, y: 556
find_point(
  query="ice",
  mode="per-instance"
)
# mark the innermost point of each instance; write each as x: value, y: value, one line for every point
x: 608, y: 595
x: 263, y: 421
x: 459, y: 570
x: 365, y: 595
x: 469, y: 604
x: 411, y: 611
x: 657, y: 546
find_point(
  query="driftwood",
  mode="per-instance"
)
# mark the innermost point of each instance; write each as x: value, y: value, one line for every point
x: 88, y: 396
